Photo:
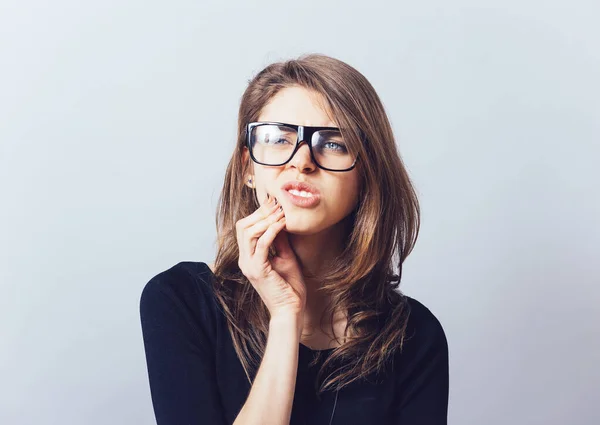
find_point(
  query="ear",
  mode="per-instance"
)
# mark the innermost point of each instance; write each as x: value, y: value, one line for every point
x: 248, y: 177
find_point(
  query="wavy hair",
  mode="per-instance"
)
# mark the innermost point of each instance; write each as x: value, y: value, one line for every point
x: 381, y: 232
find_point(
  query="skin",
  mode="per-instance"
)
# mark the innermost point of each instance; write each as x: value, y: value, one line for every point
x: 315, y: 234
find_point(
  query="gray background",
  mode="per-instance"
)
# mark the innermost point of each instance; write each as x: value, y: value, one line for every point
x: 117, y: 122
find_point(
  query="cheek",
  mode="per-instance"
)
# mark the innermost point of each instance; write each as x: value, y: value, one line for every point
x: 265, y: 179
x: 267, y: 175
x: 343, y: 197
x: 270, y: 181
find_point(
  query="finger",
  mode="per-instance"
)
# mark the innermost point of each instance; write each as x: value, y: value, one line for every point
x: 253, y: 233
x: 242, y: 225
x: 264, y: 242
x: 282, y: 245
x: 261, y: 212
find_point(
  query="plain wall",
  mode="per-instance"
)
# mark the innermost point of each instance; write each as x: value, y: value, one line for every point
x: 117, y: 120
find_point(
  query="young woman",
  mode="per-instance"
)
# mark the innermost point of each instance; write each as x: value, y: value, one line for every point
x: 299, y: 320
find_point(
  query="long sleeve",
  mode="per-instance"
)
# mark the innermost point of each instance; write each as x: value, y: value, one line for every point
x: 423, y: 399
x: 181, y: 364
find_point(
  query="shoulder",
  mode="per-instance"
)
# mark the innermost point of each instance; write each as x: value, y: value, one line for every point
x: 425, y: 334
x: 182, y: 280
x: 422, y: 320
x: 185, y: 287
x: 421, y: 373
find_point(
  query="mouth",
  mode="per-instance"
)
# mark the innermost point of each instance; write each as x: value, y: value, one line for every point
x: 301, y: 194
x: 304, y: 201
x: 300, y: 188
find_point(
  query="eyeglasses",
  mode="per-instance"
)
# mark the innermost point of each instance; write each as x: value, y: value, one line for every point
x: 275, y: 143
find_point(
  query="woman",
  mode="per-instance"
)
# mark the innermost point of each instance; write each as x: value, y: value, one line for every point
x: 298, y: 320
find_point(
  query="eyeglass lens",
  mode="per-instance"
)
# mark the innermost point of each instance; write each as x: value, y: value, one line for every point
x: 273, y: 145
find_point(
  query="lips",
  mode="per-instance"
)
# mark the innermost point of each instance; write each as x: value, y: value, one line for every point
x: 301, y: 187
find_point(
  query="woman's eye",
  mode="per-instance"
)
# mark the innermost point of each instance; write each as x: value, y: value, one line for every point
x: 274, y: 140
x: 335, y: 146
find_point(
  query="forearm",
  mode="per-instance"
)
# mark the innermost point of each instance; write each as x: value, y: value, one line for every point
x: 272, y: 393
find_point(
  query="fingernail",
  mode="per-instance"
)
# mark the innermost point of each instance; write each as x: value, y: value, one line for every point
x: 275, y: 200
x: 268, y: 197
x: 280, y: 208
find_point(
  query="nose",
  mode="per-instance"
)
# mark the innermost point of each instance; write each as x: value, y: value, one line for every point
x: 302, y: 159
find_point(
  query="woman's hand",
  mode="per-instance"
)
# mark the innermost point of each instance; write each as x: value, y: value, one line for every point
x: 278, y: 280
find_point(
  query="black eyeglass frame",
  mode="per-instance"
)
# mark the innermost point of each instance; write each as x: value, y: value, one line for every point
x: 305, y: 133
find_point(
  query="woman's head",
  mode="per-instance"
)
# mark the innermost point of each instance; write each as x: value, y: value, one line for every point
x: 334, y: 193
x: 318, y: 90
x: 374, y: 202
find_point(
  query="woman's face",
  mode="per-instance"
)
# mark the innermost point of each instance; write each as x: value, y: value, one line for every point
x: 338, y: 191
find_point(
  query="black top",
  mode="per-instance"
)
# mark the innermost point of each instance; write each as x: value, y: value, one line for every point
x: 196, y: 377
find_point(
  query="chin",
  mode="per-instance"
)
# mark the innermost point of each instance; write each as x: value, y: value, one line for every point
x: 305, y: 229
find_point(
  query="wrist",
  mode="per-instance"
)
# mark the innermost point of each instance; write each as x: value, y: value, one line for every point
x: 287, y: 320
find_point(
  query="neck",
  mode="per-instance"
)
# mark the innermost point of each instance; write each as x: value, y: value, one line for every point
x: 315, y: 255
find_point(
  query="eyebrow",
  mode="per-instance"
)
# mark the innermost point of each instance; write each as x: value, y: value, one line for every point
x: 306, y: 126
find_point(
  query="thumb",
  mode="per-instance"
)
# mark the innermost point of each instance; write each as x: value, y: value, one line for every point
x: 282, y: 245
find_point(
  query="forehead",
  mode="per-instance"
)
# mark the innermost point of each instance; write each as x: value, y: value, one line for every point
x: 297, y: 105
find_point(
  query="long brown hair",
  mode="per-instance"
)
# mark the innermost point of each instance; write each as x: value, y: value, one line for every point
x: 383, y: 228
